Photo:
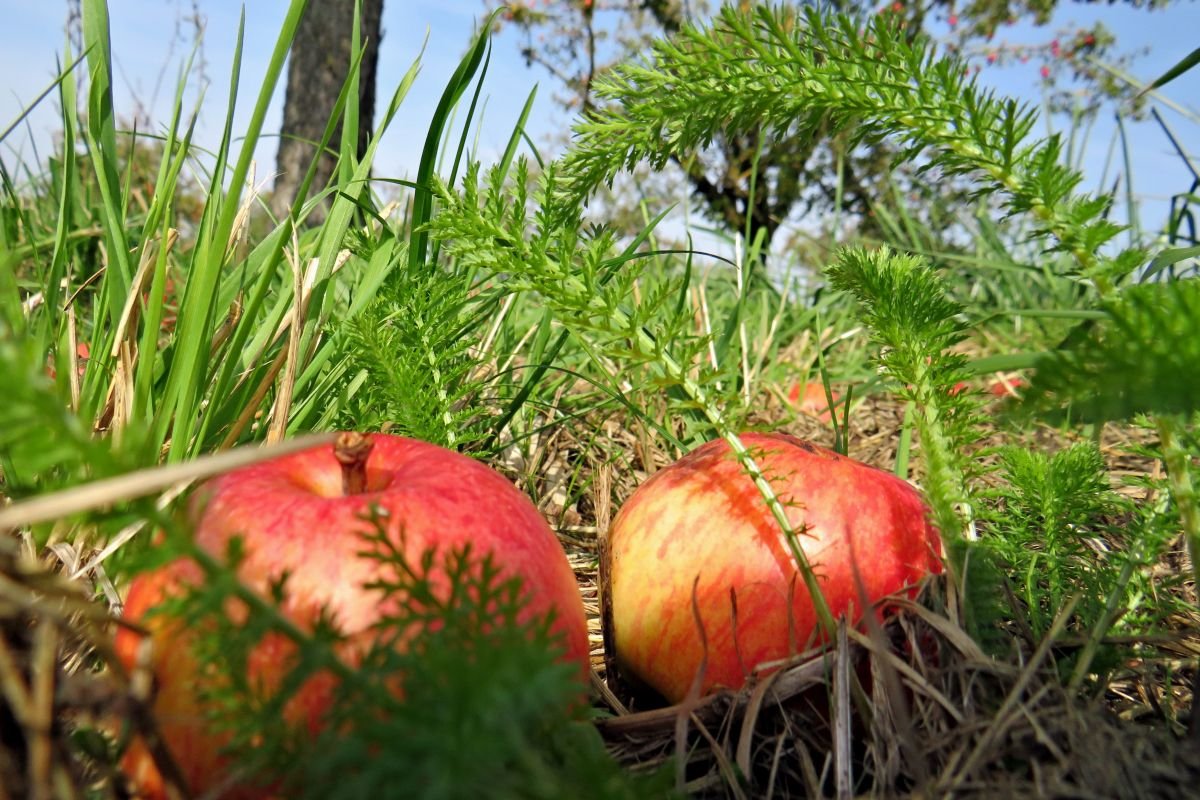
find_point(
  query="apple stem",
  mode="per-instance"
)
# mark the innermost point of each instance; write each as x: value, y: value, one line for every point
x: 351, y: 450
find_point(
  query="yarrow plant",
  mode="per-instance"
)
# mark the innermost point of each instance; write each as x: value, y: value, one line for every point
x: 792, y: 71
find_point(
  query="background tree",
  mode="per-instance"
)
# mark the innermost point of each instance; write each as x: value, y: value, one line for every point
x: 319, y: 64
x: 576, y: 40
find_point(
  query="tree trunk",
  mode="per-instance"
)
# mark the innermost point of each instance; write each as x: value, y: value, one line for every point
x: 317, y: 70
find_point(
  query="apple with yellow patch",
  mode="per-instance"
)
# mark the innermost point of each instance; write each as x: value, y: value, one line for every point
x: 703, y: 523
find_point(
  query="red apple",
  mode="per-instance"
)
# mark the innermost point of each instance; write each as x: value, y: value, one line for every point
x: 1006, y: 385
x: 809, y: 398
x: 1002, y: 385
x: 302, y: 514
x: 703, y: 522
x: 82, y: 353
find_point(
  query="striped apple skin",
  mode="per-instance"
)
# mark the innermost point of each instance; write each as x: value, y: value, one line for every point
x: 291, y: 514
x: 702, y: 523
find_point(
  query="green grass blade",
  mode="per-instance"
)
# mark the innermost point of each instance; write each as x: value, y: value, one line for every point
x: 42, y: 95
x: 1186, y: 64
x: 514, y: 141
x: 418, y: 247
x: 101, y: 136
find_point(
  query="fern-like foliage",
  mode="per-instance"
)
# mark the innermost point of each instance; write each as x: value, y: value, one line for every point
x: 486, y: 709
x: 581, y: 277
x: 460, y: 696
x: 410, y: 362
x: 1048, y: 509
x: 1143, y: 357
x: 802, y: 72
x: 915, y: 324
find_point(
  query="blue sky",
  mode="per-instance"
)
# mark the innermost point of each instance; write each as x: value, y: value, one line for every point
x: 145, y: 46
x: 1158, y: 39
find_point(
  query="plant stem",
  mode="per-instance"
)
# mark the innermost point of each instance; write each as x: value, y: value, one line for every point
x: 1180, y: 479
x: 351, y: 450
x: 717, y: 419
x: 1100, y: 630
x: 1179, y: 476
